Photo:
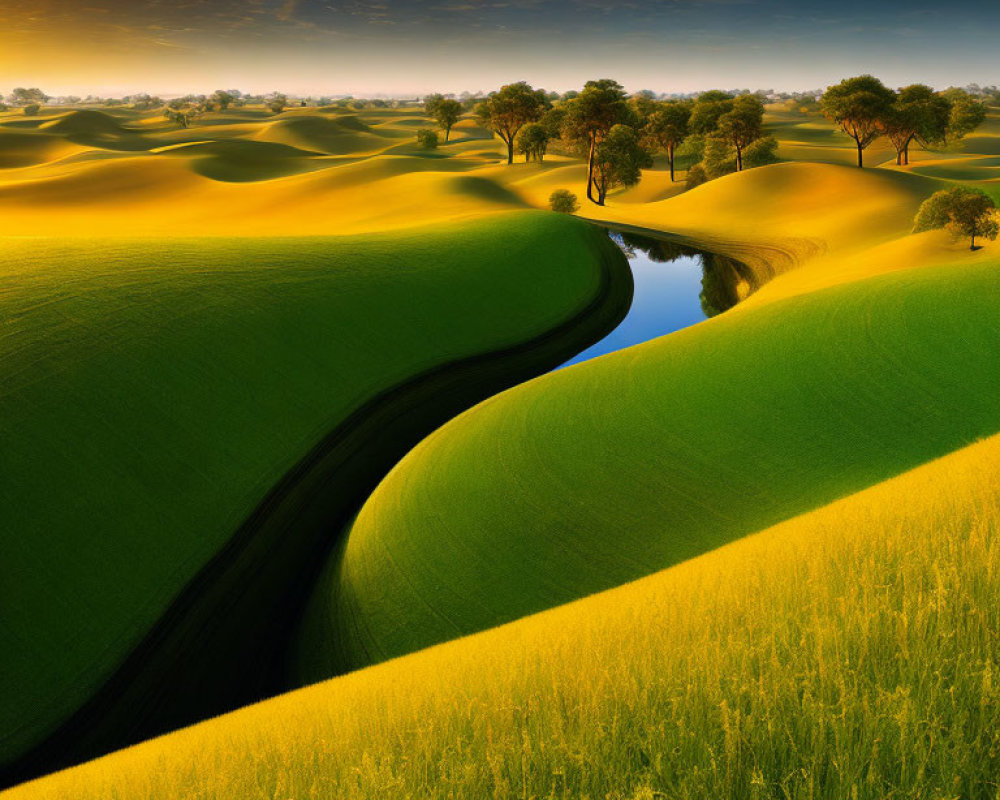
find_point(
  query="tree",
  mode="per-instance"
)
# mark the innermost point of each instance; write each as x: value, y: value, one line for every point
x: 32, y: 109
x: 427, y: 138
x: 563, y: 201
x: 668, y: 127
x: 761, y: 152
x: 963, y: 211
x: 533, y: 141
x: 742, y: 124
x: 618, y: 161
x: 966, y: 113
x: 222, y: 99
x: 643, y: 105
x: 144, y: 102
x: 447, y: 113
x: 708, y: 108
x: 553, y: 121
x: 183, y: 110
x: 918, y: 113
x: 431, y: 103
x: 859, y: 106
x: 508, y: 110
x: 972, y: 215
x: 590, y: 117
x: 276, y: 101
x: 24, y: 97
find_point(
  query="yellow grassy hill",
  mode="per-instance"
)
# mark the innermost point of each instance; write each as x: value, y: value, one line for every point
x: 842, y: 653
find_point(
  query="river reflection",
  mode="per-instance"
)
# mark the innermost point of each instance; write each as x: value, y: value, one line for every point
x: 676, y: 286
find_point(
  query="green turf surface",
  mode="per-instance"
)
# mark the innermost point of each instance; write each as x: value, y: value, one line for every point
x: 598, y: 474
x: 153, y: 392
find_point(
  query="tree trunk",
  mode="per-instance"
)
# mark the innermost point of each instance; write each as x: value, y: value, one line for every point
x: 670, y: 158
x: 447, y: 133
x: 973, y: 245
x: 510, y: 151
x: 899, y: 158
x: 906, y: 152
x: 739, y: 158
x: 590, y: 171
x: 861, y: 151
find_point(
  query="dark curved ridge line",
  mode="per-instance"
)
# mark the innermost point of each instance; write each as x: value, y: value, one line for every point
x: 222, y: 642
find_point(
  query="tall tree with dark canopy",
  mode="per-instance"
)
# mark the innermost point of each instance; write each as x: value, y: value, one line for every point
x: 668, y: 127
x: 742, y: 124
x: 447, y: 113
x: 917, y: 114
x: 508, y: 110
x: 590, y: 116
x: 619, y: 159
x: 859, y: 106
x: 708, y: 108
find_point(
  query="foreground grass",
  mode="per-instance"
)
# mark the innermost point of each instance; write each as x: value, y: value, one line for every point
x: 152, y: 396
x: 605, y: 472
x: 850, y: 652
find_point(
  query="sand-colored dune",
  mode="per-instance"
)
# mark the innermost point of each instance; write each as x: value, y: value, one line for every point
x: 335, y: 136
x: 86, y: 122
x: 22, y: 149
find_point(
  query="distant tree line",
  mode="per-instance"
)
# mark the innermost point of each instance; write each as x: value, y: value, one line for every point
x: 720, y: 132
x: 619, y: 135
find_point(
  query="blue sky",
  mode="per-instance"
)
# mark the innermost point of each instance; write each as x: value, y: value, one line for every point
x: 407, y: 46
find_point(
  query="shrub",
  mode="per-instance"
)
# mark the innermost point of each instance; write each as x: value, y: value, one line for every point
x: 761, y: 152
x: 720, y: 158
x: 696, y: 176
x: 31, y: 110
x: 276, y: 102
x: 427, y: 138
x: 563, y: 201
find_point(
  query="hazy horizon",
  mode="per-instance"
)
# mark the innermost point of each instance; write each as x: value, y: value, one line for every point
x: 407, y: 48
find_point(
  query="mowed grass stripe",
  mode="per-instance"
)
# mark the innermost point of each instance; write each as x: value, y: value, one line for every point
x: 153, y: 393
x: 596, y: 475
x: 849, y: 652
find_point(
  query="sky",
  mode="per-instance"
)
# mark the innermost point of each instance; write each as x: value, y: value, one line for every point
x: 409, y: 47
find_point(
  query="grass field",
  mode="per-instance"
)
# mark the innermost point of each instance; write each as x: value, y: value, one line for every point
x: 722, y: 429
x: 213, y: 337
x: 849, y: 652
x: 154, y: 396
